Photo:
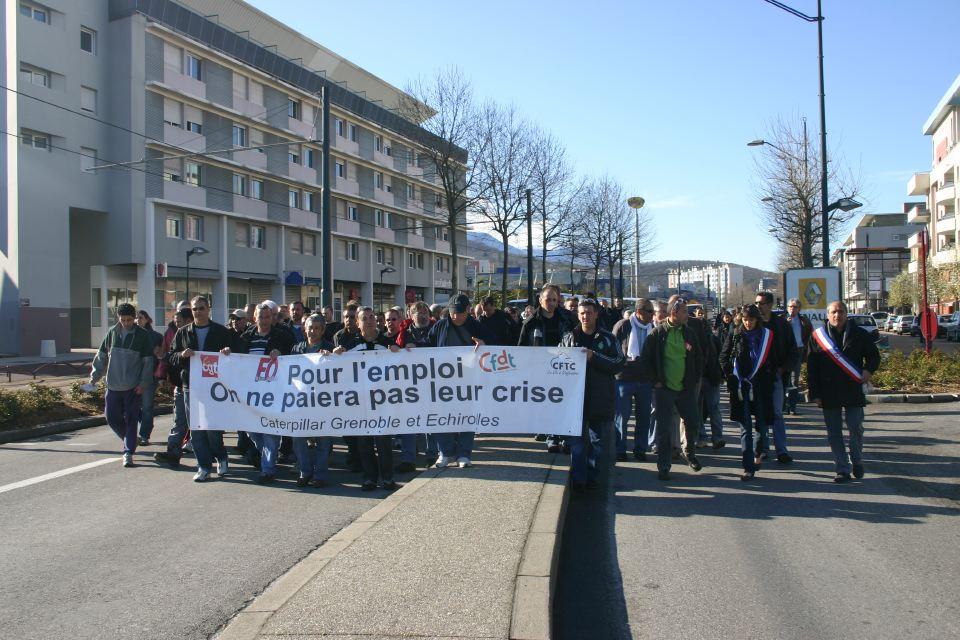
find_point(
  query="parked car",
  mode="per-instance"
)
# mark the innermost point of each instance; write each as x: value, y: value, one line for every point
x: 880, y: 317
x: 952, y: 328
x: 903, y: 325
x: 947, y: 323
x: 866, y: 323
x: 891, y: 322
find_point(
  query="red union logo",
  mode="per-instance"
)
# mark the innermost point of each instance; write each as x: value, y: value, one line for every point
x: 209, y: 365
x: 267, y: 370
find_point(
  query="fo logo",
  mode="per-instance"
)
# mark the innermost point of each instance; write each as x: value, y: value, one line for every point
x: 267, y: 370
x: 210, y: 365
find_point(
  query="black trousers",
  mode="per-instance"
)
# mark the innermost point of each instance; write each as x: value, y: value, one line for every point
x: 379, y: 462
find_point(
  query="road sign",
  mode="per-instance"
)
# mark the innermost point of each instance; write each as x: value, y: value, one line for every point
x: 928, y: 324
x: 815, y: 288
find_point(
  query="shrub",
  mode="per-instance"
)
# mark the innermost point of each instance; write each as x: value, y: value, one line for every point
x: 918, y: 372
x: 38, y: 398
x: 9, y: 407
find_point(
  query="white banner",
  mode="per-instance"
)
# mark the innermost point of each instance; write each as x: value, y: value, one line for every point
x: 487, y: 390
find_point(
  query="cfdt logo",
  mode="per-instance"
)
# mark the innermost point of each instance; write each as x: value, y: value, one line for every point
x: 496, y: 362
x: 562, y: 365
x: 209, y: 366
x: 267, y: 370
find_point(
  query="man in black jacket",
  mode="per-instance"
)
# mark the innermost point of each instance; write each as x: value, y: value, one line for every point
x: 673, y: 359
x: 802, y: 329
x: 843, y: 358
x: 201, y: 335
x: 604, y: 361
x: 497, y: 323
x: 784, y: 359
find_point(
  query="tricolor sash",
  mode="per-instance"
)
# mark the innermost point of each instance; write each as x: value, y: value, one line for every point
x: 822, y: 336
x: 766, y: 343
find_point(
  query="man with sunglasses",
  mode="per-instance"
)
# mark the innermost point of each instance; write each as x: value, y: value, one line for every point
x: 784, y: 354
x: 634, y: 389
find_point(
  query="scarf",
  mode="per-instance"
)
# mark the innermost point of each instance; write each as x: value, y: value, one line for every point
x: 638, y: 334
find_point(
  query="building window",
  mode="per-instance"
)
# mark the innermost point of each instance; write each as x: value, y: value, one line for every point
x: 293, y: 108
x: 256, y: 138
x: 95, y: 307
x: 194, y: 67
x: 378, y: 217
x: 293, y: 154
x: 293, y: 198
x: 88, y: 40
x: 353, y: 251
x: 340, y: 169
x: 172, y: 170
x: 194, y: 127
x: 240, y: 184
x: 338, y: 125
x: 388, y: 149
x: 418, y: 227
x: 174, y: 226
x: 195, y: 228
x: 239, y: 136
x: 309, y: 244
x: 256, y: 189
x: 388, y: 220
x: 88, y: 99
x: 411, y: 192
x: 381, y: 255
x: 88, y: 158
x: 352, y: 213
x: 33, y: 75
x: 258, y: 237
x: 437, y: 200
x: 192, y: 173
x: 354, y: 134
x: 34, y: 139
x: 411, y: 260
x: 308, y: 200
x: 171, y: 113
x: 241, y: 234
x: 378, y: 179
x: 388, y: 188
x: 240, y: 83
x: 308, y: 157
x: 37, y: 13
x: 419, y: 261
x: 255, y: 92
x: 378, y: 143
x: 296, y: 242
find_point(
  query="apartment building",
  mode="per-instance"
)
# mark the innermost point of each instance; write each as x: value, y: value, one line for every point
x: 707, y: 280
x: 144, y: 130
x: 938, y: 186
x: 872, y: 255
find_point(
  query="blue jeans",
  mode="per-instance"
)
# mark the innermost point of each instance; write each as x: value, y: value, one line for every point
x: 179, y: 429
x: 752, y: 444
x: 122, y: 409
x: 834, y: 420
x: 312, y: 462
x: 710, y: 401
x: 586, y: 451
x: 455, y: 445
x: 779, y: 427
x: 635, y: 396
x: 268, y: 444
x: 146, y: 410
x: 207, y: 445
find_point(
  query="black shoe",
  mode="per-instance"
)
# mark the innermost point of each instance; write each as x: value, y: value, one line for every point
x: 143, y: 442
x: 747, y: 476
x: 784, y: 458
x: 622, y: 456
x: 554, y: 448
x: 693, y: 462
x: 858, y: 471
x: 163, y: 457
x: 429, y: 461
x: 719, y: 444
x: 675, y: 454
x: 841, y: 477
x: 640, y: 456
x: 369, y: 485
x: 265, y: 479
x: 252, y: 459
x: 663, y: 475
x: 405, y: 467
x: 390, y: 486
x: 592, y: 485
x: 540, y: 437
x: 566, y: 449
x: 318, y: 484
x: 579, y: 486
x: 764, y: 455
x: 303, y: 481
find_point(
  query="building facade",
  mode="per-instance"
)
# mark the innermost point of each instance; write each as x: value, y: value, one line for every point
x: 872, y: 255
x: 938, y: 187
x: 142, y: 130
x: 713, y: 281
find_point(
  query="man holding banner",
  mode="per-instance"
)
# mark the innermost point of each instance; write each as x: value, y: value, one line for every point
x: 842, y: 360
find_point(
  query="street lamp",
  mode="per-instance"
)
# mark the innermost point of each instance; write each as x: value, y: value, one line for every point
x: 636, y: 203
x: 386, y: 269
x: 196, y: 251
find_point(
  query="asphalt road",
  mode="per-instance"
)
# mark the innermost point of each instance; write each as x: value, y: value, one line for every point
x: 791, y: 555
x: 106, y: 552
x: 906, y: 344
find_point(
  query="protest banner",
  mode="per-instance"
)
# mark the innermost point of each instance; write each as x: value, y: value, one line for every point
x: 487, y: 390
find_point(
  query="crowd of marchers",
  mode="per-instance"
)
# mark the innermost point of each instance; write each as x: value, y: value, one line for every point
x: 658, y: 363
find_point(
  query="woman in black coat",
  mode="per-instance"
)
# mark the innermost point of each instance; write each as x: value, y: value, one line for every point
x: 746, y: 362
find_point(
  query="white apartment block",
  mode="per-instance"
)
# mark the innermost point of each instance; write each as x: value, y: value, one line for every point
x: 181, y: 95
x: 713, y: 279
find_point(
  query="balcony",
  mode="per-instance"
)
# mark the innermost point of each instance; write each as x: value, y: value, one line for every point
x: 250, y: 207
x: 919, y: 184
x: 947, y: 225
x: 385, y: 235
x: 184, y: 83
x: 184, y: 193
x: 382, y: 159
x: 344, y: 225
x: 251, y: 158
x: 913, y: 267
x: 947, y: 255
x: 303, y: 218
x: 913, y: 241
x: 249, y: 109
x: 183, y: 139
x: 301, y: 128
x: 918, y: 215
x: 414, y: 241
x: 348, y: 187
x: 946, y: 193
x: 302, y: 173
x: 383, y: 197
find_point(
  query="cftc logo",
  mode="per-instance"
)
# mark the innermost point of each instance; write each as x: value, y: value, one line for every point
x: 267, y: 370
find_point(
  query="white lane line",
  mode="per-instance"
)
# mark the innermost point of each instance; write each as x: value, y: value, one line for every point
x: 56, y: 474
x: 81, y: 444
x: 23, y: 444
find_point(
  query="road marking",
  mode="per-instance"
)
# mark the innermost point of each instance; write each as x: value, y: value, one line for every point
x: 56, y: 474
x: 24, y: 444
x: 81, y: 444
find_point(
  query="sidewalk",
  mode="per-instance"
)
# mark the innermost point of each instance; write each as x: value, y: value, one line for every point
x: 467, y: 553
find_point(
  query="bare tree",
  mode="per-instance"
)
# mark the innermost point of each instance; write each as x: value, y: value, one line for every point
x: 788, y: 188
x: 504, y: 170
x: 449, y: 138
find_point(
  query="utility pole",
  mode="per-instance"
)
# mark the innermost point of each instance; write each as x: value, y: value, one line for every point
x: 326, y: 236
x: 678, y: 278
x: 529, y: 250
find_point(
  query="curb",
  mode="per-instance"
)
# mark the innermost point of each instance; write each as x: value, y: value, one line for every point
x: 532, y: 616
x: 912, y: 398
x: 63, y: 426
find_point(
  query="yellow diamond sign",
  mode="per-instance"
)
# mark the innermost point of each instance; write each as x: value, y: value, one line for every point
x: 812, y: 292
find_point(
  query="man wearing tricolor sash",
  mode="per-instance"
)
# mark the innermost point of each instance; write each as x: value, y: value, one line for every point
x: 843, y: 358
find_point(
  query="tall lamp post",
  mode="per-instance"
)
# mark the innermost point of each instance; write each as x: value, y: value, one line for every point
x: 196, y: 251
x: 636, y: 203
x: 386, y: 269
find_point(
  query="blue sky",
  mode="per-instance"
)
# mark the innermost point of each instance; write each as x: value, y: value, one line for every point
x: 665, y: 95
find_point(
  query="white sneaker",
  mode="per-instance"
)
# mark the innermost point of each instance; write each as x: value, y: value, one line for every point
x: 223, y: 467
x: 128, y: 459
x: 201, y: 476
x: 464, y: 462
x: 442, y: 463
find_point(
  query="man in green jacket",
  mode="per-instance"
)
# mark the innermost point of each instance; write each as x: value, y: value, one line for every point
x: 125, y: 359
